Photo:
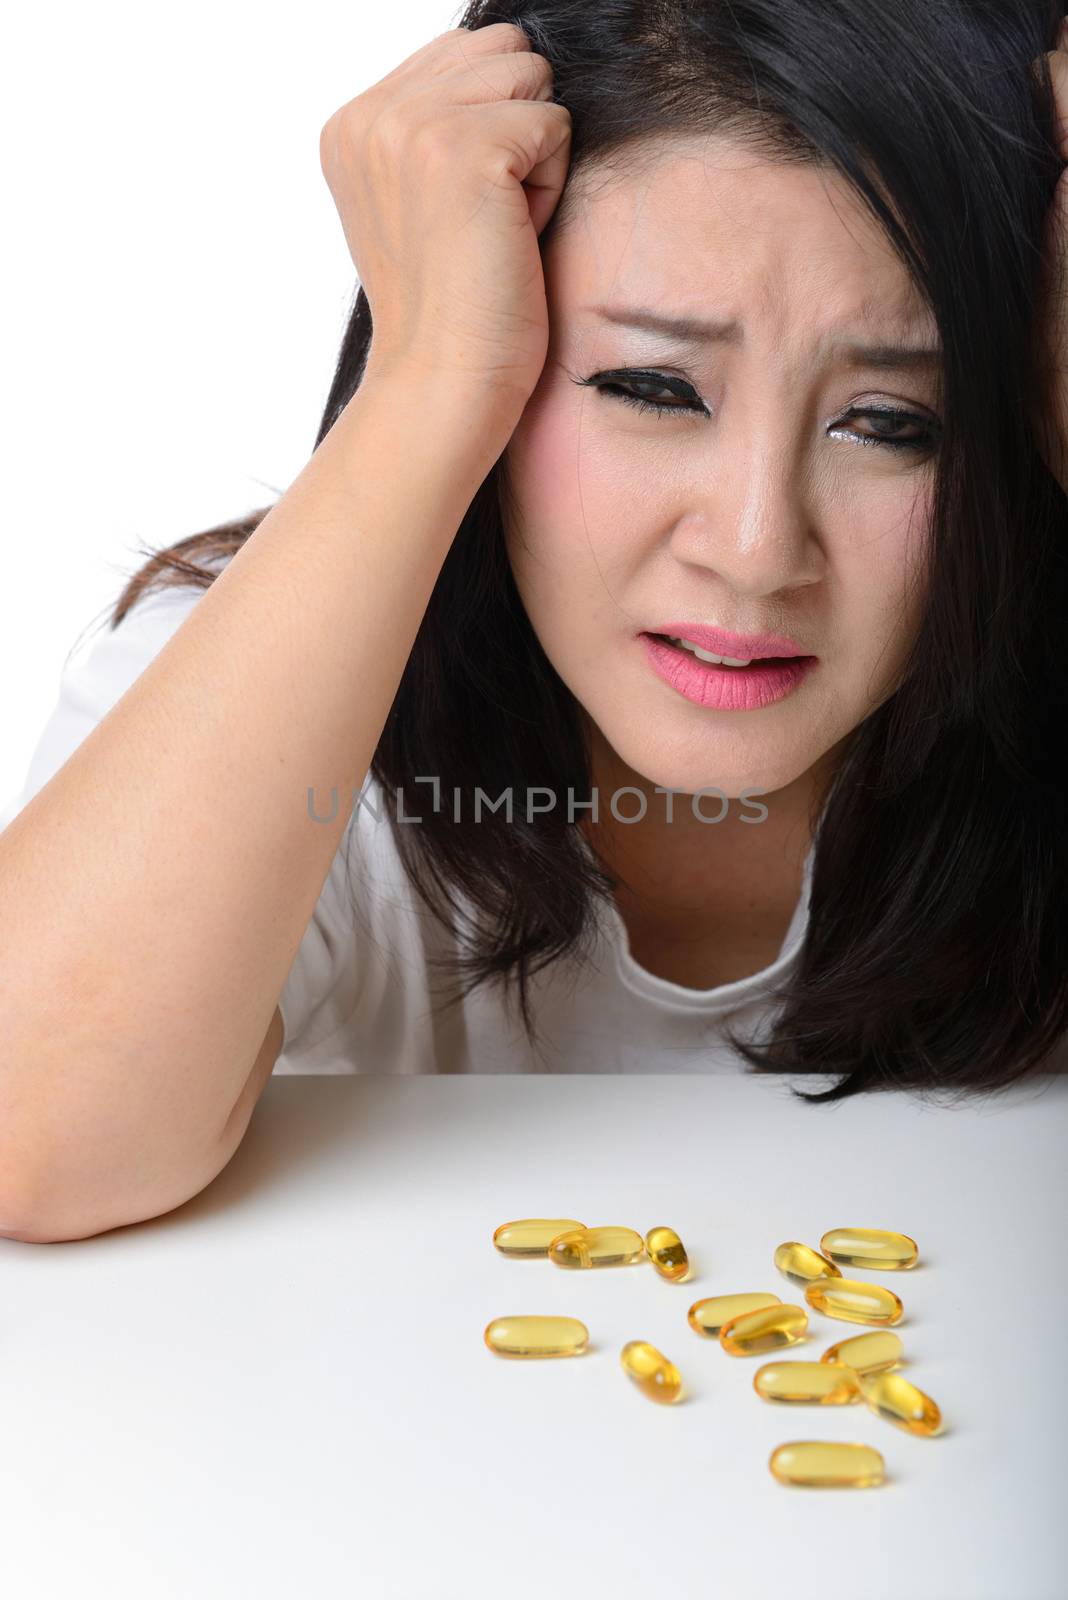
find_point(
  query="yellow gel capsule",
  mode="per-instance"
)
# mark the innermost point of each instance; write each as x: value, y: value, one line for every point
x: 770, y: 1329
x: 891, y: 1396
x: 822, y: 1382
x: 870, y: 1247
x: 852, y: 1301
x: 667, y: 1253
x: 868, y: 1352
x: 802, y: 1265
x: 654, y: 1374
x: 597, y: 1247
x: 708, y: 1316
x: 536, y: 1336
x: 532, y: 1236
x: 820, y: 1465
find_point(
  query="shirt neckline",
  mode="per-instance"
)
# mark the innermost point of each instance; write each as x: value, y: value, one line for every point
x: 724, y: 996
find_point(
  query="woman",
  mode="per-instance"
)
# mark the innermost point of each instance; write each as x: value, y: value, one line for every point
x: 534, y: 510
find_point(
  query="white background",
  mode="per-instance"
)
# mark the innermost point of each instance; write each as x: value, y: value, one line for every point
x: 176, y: 283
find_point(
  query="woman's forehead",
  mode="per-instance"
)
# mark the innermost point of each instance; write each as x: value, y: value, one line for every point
x: 712, y: 229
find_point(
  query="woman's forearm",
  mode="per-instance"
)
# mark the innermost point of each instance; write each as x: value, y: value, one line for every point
x: 154, y: 893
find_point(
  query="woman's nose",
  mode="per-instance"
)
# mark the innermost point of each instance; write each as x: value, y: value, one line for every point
x: 752, y: 523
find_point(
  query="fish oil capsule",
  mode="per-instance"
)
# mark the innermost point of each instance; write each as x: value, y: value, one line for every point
x: 667, y: 1253
x: 708, y: 1316
x: 651, y: 1370
x: 897, y: 1400
x: 868, y: 1352
x: 853, y: 1301
x: 870, y: 1247
x: 769, y: 1329
x: 820, y: 1465
x: 802, y: 1265
x: 531, y: 1236
x: 597, y: 1247
x: 826, y: 1383
x: 536, y: 1336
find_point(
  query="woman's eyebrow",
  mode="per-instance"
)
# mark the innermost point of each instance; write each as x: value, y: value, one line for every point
x: 697, y: 331
x: 684, y: 330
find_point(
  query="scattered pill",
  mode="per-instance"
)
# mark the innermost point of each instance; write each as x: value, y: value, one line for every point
x: 532, y: 1236
x: 821, y: 1465
x: 822, y: 1382
x: 651, y: 1370
x: 769, y: 1329
x: 708, y: 1316
x: 667, y: 1253
x: 801, y: 1264
x: 597, y: 1247
x: 536, y: 1336
x: 870, y: 1247
x: 867, y: 1352
x: 750, y: 1323
x: 852, y: 1301
x: 897, y: 1400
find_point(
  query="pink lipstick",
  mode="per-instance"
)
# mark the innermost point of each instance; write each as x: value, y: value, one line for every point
x: 721, y: 643
x: 776, y: 666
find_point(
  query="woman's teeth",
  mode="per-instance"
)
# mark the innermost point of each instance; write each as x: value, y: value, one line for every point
x: 706, y: 655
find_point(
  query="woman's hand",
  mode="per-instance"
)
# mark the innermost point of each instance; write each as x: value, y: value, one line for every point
x: 1051, y: 357
x: 444, y: 175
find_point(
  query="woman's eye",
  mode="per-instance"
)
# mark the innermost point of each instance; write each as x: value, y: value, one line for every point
x: 888, y: 423
x: 637, y: 389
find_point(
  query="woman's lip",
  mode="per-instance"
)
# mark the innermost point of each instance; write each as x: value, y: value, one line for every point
x: 743, y: 646
x: 718, y: 688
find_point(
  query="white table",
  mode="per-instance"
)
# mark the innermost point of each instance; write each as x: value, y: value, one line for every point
x: 281, y: 1388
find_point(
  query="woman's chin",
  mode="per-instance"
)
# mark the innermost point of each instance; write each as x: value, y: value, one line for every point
x: 732, y: 774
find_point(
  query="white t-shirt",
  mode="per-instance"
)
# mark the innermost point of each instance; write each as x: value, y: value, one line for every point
x: 358, y: 997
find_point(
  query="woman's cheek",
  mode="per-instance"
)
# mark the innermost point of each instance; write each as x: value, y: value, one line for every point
x: 570, y: 492
x: 878, y: 563
x: 540, y: 467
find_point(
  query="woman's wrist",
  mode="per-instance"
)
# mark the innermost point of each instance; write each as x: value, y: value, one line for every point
x: 467, y: 410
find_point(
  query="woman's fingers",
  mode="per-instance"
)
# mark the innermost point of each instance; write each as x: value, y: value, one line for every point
x: 1058, y: 68
x: 1051, y: 356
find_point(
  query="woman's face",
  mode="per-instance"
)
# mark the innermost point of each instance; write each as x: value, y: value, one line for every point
x: 764, y: 501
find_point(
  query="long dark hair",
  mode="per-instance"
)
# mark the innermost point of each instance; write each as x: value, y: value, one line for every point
x: 936, y: 954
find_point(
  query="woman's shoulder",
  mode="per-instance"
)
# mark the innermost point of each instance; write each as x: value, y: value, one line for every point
x: 101, y: 664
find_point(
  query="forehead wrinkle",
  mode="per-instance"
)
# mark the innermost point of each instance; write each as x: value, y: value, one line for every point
x: 693, y: 336
x: 889, y: 307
